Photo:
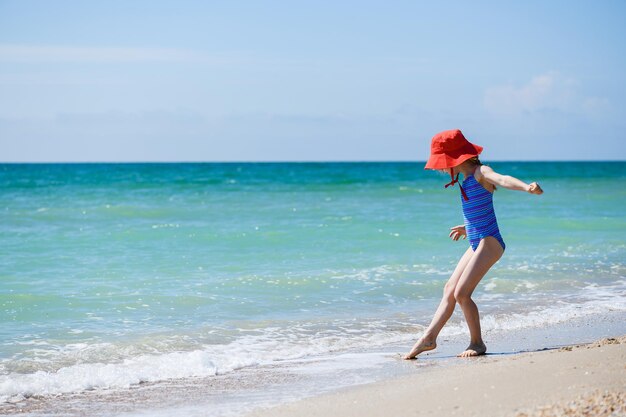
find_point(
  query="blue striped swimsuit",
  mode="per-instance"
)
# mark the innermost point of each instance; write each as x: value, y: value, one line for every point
x: 478, y: 213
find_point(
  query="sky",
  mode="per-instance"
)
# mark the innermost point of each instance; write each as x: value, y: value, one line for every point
x: 316, y: 80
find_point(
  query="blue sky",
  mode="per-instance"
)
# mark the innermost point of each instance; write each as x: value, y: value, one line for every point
x: 310, y: 80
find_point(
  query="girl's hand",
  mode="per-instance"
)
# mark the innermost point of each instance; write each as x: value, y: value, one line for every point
x: 457, y: 231
x: 534, y: 188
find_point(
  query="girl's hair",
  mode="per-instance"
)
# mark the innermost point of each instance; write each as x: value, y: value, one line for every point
x: 475, y: 160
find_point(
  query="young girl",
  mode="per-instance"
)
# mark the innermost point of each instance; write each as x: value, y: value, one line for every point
x: 452, y: 152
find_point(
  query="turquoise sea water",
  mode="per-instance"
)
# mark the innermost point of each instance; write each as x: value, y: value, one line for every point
x: 116, y: 274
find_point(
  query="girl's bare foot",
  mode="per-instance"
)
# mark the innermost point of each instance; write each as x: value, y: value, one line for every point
x: 420, y: 346
x: 474, y: 349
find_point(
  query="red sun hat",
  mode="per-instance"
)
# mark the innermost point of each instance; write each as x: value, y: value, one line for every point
x: 449, y: 149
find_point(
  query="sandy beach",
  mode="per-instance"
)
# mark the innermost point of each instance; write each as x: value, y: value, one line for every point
x: 580, y: 380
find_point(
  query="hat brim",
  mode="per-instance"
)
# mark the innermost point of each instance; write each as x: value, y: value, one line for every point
x: 453, y: 158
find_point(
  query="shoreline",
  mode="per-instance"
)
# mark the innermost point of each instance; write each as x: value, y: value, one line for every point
x: 271, y: 390
x: 560, y: 381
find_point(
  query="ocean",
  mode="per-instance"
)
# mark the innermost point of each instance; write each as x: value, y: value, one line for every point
x: 118, y: 277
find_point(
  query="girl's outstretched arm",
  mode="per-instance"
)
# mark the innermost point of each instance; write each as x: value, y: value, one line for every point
x: 508, y: 181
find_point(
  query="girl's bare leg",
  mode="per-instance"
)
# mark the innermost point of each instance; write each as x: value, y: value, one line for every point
x: 489, y: 251
x: 428, y: 341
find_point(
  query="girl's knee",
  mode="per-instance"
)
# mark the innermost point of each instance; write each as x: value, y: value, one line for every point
x: 449, y: 289
x: 462, y: 296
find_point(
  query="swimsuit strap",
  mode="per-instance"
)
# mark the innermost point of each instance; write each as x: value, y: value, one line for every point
x: 454, y: 181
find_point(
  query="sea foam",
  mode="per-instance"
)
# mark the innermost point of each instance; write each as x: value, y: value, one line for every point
x: 280, y: 344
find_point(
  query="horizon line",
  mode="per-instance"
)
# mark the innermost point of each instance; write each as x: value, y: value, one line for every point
x: 364, y: 161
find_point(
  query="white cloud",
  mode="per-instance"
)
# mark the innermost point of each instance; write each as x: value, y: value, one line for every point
x: 52, y: 53
x: 547, y: 92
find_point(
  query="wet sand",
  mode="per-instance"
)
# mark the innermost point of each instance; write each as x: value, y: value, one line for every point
x: 581, y: 380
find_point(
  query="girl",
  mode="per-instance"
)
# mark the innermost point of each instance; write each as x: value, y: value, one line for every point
x: 451, y: 151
